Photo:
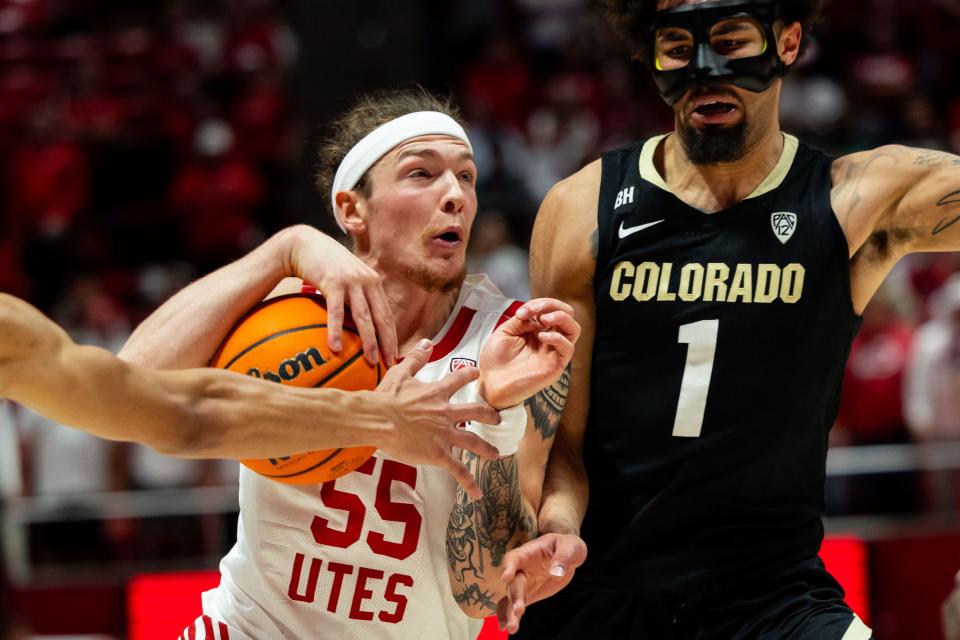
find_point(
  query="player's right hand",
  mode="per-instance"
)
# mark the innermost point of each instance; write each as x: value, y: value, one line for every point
x: 343, y: 279
x: 424, y: 423
x: 537, y: 570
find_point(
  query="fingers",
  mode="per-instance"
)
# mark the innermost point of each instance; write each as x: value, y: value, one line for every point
x: 511, y: 564
x: 569, y: 554
x: 334, y: 298
x: 502, y: 607
x: 384, y: 322
x: 562, y: 322
x: 462, y: 475
x: 364, y: 321
x: 473, y: 442
x: 516, y: 601
x: 539, y: 306
x: 453, y: 382
x: 476, y: 411
x: 412, y: 362
x: 558, y: 341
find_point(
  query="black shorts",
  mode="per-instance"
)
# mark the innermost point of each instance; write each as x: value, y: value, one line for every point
x: 802, y: 602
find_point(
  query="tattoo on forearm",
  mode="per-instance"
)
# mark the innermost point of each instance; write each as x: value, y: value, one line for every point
x: 547, y: 405
x: 472, y: 595
x: 928, y: 158
x: 486, y: 526
x: 949, y: 201
x: 501, y: 507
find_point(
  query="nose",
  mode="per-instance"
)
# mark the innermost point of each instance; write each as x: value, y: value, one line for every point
x: 453, y: 196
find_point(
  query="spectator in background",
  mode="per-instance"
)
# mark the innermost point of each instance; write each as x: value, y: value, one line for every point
x: 932, y: 399
x: 871, y: 408
x: 493, y: 252
x: 215, y: 196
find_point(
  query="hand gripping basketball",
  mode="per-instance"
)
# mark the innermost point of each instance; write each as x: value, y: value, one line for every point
x: 284, y: 340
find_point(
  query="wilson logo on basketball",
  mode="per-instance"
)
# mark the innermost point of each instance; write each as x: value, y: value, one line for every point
x: 460, y: 363
x: 291, y: 368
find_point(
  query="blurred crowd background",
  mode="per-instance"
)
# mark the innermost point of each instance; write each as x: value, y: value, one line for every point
x: 143, y: 144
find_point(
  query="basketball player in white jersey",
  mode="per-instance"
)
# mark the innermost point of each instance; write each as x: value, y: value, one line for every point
x: 395, y: 550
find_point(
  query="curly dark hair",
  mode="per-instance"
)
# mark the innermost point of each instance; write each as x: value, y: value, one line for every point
x: 371, y: 111
x: 631, y: 19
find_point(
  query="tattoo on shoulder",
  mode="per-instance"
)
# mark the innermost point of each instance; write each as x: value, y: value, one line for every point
x: 949, y: 202
x: 547, y: 405
x: 595, y: 243
x: 930, y: 158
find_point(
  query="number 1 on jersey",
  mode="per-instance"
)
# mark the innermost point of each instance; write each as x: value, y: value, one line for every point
x: 701, y: 340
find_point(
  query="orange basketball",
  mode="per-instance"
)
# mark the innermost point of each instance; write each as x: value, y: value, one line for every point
x: 285, y: 340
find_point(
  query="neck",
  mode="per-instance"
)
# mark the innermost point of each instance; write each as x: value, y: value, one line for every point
x: 715, y: 187
x: 418, y: 313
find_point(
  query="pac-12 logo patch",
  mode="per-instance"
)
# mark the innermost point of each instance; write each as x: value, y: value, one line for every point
x: 460, y: 363
x: 784, y: 224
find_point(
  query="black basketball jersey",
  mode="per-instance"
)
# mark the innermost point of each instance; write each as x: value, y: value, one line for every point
x: 720, y: 347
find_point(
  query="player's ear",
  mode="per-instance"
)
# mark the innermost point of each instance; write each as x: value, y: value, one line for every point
x: 788, y: 42
x: 353, y: 211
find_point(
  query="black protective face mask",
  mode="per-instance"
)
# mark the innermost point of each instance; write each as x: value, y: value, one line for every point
x: 721, y: 42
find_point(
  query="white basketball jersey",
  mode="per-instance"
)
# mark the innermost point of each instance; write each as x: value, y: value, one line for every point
x: 364, y: 556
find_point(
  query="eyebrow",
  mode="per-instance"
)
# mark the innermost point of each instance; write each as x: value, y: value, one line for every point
x: 673, y: 34
x: 406, y: 153
x: 731, y: 27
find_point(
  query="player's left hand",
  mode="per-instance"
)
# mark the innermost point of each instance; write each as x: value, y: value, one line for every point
x: 951, y: 612
x: 537, y: 570
x: 528, y: 352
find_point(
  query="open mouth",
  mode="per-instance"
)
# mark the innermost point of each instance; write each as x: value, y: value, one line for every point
x: 715, y: 107
x: 450, y: 236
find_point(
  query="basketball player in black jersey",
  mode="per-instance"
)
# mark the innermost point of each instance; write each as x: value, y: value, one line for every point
x: 719, y: 273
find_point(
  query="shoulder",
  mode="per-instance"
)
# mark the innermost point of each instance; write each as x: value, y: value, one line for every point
x: 581, y: 188
x: 569, y: 209
x: 856, y: 165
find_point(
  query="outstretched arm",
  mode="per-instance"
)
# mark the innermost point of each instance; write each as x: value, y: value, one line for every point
x: 217, y: 413
x: 525, y: 359
x: 186, y: 331
x: 563, y: 255
x: 892, y: 201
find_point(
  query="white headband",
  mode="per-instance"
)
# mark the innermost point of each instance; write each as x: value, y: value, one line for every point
x: 378, y: 142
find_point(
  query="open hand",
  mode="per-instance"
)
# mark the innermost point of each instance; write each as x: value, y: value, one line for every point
x: 424, y: 422
x: 537, y: 570
x: 345, y: 280
x: 527, y: 352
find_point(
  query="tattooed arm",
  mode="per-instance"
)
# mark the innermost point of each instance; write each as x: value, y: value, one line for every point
x: 892, y: 201
x: 524, y: 354
x: 481, y: 532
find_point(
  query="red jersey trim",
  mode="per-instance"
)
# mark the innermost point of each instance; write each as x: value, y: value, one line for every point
x: 454, y: 335
x: 509, y: 313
